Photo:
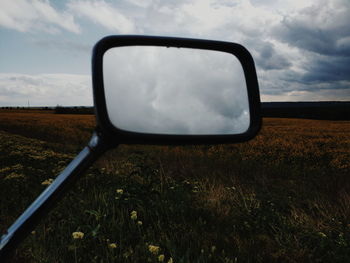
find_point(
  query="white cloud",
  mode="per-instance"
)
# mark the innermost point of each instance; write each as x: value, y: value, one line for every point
x: 141, y: 3
x: 31, y: 15
x: 234, y: 20
x: 103, y: 13
x: 313, y: 95
x: 45, y: 89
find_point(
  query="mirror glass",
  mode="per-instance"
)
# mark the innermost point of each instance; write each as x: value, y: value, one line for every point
x: 169, y: 90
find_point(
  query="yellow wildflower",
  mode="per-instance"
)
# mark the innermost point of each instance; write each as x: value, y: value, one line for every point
x: 133, y: 215
x: 14, y: 176
x: 47, y: 182
x: 120, y: 191
x: 112, y: 245
x: 321, y: 234
x: 213, y: 248
x: 170, y: 260
x: 153, y: 249
x: 139, y: 223
x: 161, y: 258
x: 77, y: 235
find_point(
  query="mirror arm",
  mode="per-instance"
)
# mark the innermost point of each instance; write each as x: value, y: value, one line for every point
x: 53, y: 193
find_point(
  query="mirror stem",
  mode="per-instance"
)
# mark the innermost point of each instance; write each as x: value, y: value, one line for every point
x: 53, y: 193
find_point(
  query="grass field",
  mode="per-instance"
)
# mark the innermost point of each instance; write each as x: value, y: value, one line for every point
x: 282, y: 197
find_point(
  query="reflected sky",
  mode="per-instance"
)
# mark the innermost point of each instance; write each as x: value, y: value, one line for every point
x: 175, y: 91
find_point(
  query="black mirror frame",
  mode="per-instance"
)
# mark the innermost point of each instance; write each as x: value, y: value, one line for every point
x: 117, y: 136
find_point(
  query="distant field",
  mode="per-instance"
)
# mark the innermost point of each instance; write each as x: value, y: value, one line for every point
x: 282, y: 197
x: 67, y: 130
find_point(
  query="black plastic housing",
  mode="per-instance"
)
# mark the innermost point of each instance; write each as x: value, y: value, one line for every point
x: 118, y: 136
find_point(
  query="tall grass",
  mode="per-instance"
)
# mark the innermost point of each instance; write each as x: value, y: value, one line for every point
x: 282, y: 197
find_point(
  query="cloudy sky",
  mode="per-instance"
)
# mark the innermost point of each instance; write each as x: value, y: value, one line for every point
x: 301, y: 48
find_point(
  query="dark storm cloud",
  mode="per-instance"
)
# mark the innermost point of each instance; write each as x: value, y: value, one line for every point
x: 266, y: 56
x: 327, y: 69
x: 321, y: 34
x: 322, y: 28
x: 321, y: 41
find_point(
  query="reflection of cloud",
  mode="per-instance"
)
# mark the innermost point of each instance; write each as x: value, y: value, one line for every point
x: 45, y: 89
x: 171, y: 90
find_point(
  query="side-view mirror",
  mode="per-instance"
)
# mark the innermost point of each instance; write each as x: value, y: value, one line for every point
x: 157, y: 90
x: 163, y: 90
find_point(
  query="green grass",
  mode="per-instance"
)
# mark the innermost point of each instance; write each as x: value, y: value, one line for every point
x: 283, y: 197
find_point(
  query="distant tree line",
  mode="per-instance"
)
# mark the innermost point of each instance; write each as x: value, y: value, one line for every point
x: 25, y: 108
x: 74, y: 110
x: 307, y: 110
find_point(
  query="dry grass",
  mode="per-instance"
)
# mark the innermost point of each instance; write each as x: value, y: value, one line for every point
x: 282, y: 197
x: 66, y: 129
